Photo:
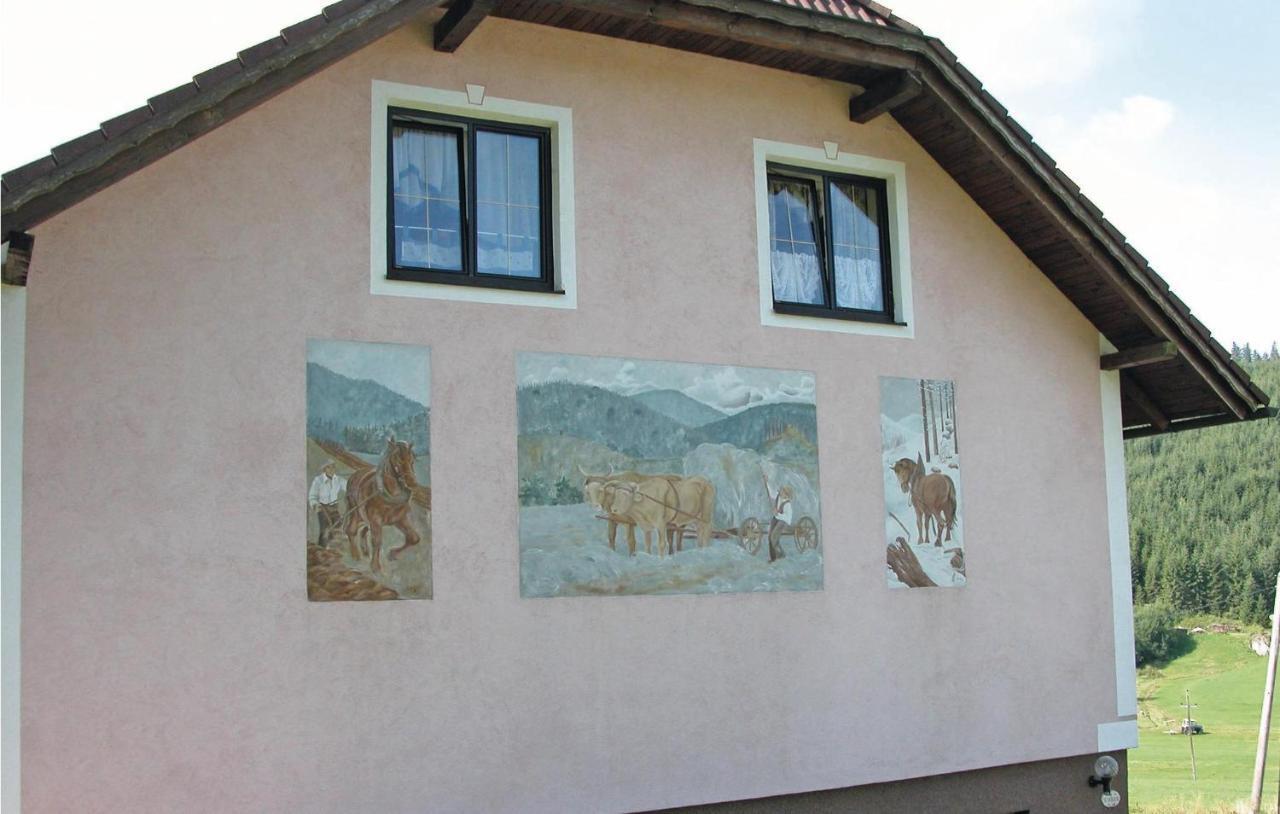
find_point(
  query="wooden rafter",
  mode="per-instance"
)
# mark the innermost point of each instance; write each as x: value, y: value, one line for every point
x: 17, y: 257
x: 889, y: 91
x: 459, y: 21
x: 1142, y: 355
x: 1134, y: 392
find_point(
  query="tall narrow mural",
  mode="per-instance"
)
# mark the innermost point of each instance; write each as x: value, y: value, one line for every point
x: 921, y: 471
x: 368, y: 479
x: 644, y: 477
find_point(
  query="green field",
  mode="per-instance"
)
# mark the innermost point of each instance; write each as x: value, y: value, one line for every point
x: 1226, y: 680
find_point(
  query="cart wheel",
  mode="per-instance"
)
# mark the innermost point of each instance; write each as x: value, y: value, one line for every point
x: 806, y: 534
x: 750, y: 535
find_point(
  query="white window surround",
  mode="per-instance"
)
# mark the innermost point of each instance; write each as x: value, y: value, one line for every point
x: 558, y: 119
x: 895, y: 175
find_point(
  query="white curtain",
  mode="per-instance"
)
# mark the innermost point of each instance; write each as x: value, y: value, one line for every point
x: 796, y: 277
x: 858, y: 281
x: 425, y: 179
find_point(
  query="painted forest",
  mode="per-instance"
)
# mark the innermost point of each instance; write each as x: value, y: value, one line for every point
x: 1204, y: 511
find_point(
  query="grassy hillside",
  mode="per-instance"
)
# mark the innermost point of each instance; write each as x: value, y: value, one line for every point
x: 1226, y: 681
x: 1204, y: 513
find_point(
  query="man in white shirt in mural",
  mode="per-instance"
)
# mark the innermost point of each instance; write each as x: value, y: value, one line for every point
x: 323, y: 497
x: 781, y: 521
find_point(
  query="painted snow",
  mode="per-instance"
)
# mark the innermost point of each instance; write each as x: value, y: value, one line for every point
x: 924, y: 512
x: 703, y: 451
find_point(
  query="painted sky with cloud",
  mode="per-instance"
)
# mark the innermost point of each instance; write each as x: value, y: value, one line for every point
x: 727, y: 388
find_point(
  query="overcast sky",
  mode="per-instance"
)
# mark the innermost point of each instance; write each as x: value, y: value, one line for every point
x: 1166, y: 113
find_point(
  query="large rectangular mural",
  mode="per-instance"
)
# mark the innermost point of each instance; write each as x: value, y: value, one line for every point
x: 645, y: 477
x: 921, y: 471
x: 368, y: 479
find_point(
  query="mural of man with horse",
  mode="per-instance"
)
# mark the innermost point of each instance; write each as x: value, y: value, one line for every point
x: 368, y: 416
x: 327, y: 487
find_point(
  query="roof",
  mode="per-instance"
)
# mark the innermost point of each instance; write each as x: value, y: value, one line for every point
x: 867, y: 12
x: 1174, y: 375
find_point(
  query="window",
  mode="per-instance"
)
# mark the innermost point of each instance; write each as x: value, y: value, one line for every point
x: 468, y: 201
x: 829, y: 253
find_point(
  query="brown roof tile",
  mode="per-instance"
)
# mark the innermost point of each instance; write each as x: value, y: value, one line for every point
x: 112, y: 128
x: 172, y: 98
x: 304, y: 29
x: 21, y: 176
x: 256, y: 53
x: 218, y: 73
x: 68, y: 151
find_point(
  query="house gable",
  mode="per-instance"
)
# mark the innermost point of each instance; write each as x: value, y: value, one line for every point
x: 863, y: 44
x: 484, y: 700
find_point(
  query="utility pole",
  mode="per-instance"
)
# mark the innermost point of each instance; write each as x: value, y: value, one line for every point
x: 1191, y: 732
x: 1264, y: 725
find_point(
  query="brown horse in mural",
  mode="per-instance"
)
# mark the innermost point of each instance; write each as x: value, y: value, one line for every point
x: 381, y: 497
x: 933, y: 496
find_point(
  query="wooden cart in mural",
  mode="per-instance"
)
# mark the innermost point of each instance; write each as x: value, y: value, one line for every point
x: 750, y: 534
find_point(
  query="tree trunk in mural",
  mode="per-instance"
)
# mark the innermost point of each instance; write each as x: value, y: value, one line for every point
x: 936, y: 410
x: 951, y: 406
x: 904, y: 563
x: 924, y: 416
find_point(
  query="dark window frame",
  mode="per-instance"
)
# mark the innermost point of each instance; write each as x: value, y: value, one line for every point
x: 466, y: 128
x: 821, y: 181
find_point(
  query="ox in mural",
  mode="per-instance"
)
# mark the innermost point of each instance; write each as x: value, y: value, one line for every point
x: 921, y: 472
x: 645, y: 477
x: 368, y: 471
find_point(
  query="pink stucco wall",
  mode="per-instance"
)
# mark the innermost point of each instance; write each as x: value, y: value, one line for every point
x: 171, y: 659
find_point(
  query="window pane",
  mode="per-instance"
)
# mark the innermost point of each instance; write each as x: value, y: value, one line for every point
x: 427, y: 209
x: 508, y: 204
x: 855, y: 235
x: 797, y: 272
x: 491, y: 166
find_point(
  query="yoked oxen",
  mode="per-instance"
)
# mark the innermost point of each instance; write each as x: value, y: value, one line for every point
x: 933, y: 496
x: 662, y: 506
x: 593, y: 488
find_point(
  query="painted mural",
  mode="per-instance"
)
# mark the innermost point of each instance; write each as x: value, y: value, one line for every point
x: 921, y: 471
x: 646, y: 477
x: 368, y: 478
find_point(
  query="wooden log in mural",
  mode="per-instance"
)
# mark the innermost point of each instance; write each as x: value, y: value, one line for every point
x: 904, y: 563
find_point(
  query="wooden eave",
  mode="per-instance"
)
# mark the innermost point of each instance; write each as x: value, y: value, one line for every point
x: 962, y: 126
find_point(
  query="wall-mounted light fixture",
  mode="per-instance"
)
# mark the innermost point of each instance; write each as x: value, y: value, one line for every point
x: 1105, y: 768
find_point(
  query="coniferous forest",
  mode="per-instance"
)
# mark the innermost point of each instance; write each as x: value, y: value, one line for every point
x: 1204, y: 511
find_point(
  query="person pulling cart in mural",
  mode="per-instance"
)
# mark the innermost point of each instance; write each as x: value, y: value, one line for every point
x: 327, y: 487
x: 782, y: 515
